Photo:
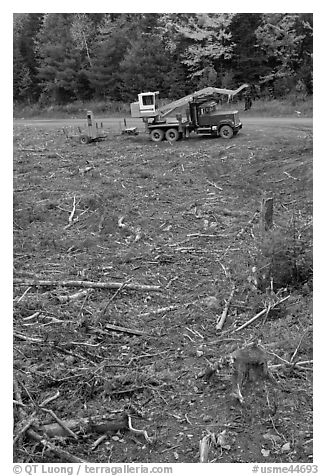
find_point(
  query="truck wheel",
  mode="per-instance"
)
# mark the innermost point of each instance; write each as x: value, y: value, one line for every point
x: 157, y: 135
x: 84, y: 139
x: 226, y: 132
x: 172, y: 135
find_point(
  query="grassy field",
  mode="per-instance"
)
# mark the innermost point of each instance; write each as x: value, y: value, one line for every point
x: 173, y: 231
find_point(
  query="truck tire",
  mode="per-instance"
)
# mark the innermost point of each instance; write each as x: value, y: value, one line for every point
x: 226, y: 132
x: 84, y: 139
x: 172, y: 135
x: 157, y: 135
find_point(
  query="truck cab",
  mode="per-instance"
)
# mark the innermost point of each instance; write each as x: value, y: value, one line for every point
x: 207, y: 119
x: 146, y: 106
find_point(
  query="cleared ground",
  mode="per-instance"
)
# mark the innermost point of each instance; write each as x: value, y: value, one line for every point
x: 190, y: 226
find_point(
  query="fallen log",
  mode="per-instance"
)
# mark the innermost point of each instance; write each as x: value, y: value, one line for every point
x: 86, y: 284
x: 107, y: 423
x: 104, y: 425
x: 112, y: 327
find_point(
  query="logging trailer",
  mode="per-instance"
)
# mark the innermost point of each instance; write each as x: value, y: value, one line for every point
x: 94, y: 131
x: 198, y: 112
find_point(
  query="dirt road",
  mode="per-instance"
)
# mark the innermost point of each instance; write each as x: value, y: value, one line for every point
x: 116, y: 124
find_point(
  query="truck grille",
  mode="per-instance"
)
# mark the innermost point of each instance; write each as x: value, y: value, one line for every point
x: 236, y: 118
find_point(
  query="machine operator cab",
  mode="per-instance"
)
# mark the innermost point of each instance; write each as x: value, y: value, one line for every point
x: 145, y: 106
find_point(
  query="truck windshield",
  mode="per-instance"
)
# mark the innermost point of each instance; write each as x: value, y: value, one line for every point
x: 148, y: 100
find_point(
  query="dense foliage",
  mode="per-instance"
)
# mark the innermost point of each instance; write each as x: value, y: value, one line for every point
x: 61, y: 57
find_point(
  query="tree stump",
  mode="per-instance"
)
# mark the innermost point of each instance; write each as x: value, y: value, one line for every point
x: 266, y: 215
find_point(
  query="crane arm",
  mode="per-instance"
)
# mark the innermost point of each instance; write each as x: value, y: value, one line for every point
x: 202, y: 93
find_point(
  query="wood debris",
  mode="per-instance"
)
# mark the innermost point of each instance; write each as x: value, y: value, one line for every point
x: 221, y: 320
x: 85, y: 284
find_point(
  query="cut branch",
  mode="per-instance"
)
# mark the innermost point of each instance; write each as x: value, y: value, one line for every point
x: 261, y: 313
x: 24, y: 426
x: 123, y: 285
x: 75, y: 297
x: 64, y: 455
x: 297, y: 365
x: 220, y: 323
x: 60, y: 422
x: 297, y: 348
x: 23, y: 295
x: 253, y: 319
x: 28, y: 339
x: 290, y: 176
x: 214, y: 185
x: 72, y: 213
x: 161, y: 310
x: 98, y: 442
x: 86, y: 284
x: 112, y: 327
x: 205, y: 302
x: 141, y: 432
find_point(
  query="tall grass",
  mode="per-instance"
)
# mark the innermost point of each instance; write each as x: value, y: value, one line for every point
x: 74, y: 110
x: 260, y: 107
x: 281, y: 107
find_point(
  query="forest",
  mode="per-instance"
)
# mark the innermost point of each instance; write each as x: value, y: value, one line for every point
x: 59, y: 58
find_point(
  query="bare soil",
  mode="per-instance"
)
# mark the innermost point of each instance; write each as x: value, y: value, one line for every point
x: 190, y: 226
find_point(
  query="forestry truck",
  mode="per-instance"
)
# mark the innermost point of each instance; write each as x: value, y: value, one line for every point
x: 198, y: 112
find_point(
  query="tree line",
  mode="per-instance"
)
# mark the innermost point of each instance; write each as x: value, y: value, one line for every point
x: 62, y: 57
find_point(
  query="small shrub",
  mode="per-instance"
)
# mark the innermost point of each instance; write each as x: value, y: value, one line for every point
x: 285, y: 256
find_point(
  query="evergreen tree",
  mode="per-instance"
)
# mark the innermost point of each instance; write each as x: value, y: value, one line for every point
x: 146, y: 67
x: 18, y: 73
x: 59, y: 60
x: 114, y: 38
x: 247, y: 63
x: 25, y: 29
